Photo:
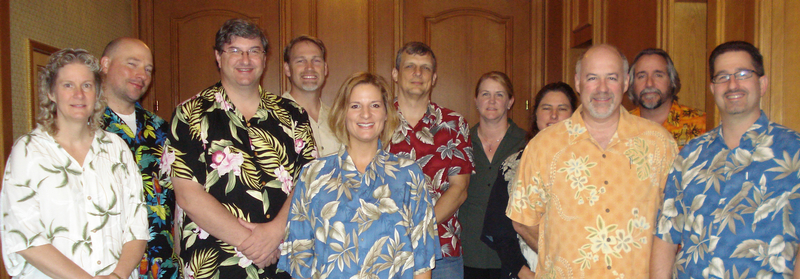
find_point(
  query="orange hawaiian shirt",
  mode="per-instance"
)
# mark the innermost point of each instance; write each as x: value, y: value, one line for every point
x: 683, y: 122
x: 595, y: 216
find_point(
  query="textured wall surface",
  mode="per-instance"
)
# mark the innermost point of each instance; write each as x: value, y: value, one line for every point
x: 87, y: 24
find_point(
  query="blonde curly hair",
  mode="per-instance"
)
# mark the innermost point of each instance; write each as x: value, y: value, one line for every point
x: 47, y: 78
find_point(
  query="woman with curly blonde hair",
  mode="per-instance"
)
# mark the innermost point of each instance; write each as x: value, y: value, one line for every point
x: 72, y: 194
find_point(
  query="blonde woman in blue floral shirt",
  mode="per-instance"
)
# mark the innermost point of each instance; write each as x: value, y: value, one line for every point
x: 364, y: 212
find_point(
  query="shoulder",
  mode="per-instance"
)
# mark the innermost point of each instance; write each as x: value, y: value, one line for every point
x: 448, y: 114
x: 152, y: 118
x: 276, y: 102
x: 685, y: 111
x: 111, y: 140
x: 784, y: 135
x: 402, y: 163
x: 644, y: 126
x: 206, y: 96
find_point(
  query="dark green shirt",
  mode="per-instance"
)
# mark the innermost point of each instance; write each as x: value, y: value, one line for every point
x: 476, y: 253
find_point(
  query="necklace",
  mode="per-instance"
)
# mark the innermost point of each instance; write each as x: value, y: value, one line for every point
x: 493, y: 144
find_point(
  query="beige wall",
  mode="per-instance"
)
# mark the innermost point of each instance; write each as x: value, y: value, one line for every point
x: 85, y: 24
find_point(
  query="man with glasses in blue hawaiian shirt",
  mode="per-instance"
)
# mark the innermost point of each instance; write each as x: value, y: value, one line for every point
x: 730, y: 198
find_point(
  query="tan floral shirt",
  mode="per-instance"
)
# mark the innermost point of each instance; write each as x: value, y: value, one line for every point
x: 595, y: 207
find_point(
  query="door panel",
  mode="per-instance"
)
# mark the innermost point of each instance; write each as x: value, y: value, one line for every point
x: 470, y: 39
x: 183, y: 40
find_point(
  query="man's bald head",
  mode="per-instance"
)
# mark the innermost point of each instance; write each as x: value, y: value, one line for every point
x: 128, y: 66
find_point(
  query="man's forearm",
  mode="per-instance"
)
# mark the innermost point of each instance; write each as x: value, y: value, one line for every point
x: 529, y: 233
x: 47, y: 259
x: 132, y: 252
x: 451, y: 200
x: 207, y: 212
x: 662, y: 258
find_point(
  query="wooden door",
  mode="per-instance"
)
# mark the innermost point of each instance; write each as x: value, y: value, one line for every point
x: 181, y: 35
x: 471, y: 38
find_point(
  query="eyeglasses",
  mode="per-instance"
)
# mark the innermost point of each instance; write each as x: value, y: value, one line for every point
x: 740, y: 75
x: 253, y: 52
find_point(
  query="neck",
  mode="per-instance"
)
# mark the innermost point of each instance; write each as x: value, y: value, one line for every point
x: 70, y: 133
x: 362, y: 154
x: 659, y: 114
x: 734, y: 126
x: 494, y: 127
x: 601, y: 129
x: 245, y: 98
x: 120, y: 106
x: 413, y: 107
x: 309, y: 100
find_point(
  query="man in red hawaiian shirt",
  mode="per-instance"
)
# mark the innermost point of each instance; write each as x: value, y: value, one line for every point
x: 437, y: 139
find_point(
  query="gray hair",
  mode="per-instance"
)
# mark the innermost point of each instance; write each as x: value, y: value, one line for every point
x: 675, y: 80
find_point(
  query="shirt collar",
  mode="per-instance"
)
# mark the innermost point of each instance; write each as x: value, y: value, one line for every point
x: 746, y: 141
x: 576, y: 127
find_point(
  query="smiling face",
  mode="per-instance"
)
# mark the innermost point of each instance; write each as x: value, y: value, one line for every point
x: 738, y: 97
x: 601, y: 81
x: 128, y: 71
x: 416, y: 75
x: 242, y: 70
x: 306, y: 68
x: 365, y: 115
x: 651, y: 82
x: 75, y: 93
x: 492, y: 100
x: 553, y: 108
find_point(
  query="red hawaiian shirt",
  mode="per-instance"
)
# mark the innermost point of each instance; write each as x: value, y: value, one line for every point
x: 440, y: 144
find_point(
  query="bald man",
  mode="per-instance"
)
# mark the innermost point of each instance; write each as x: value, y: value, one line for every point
x: 127, y: 66
x: 587, y: 188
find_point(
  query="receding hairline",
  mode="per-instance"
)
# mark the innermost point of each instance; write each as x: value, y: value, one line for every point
x: 623, y: 60
x: 113, y: 46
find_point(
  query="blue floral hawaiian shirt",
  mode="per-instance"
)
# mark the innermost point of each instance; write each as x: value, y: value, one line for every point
x: 732, y: 210
x: 147, y: 145
x: 345, y: 224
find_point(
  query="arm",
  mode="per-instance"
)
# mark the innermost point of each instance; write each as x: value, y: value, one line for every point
x: 526, y: 273
x: 50, y: 261
x: 424, y: 275
x: 130, y: 258
x: 451, y: 199
x: 662, y: 258
x: 207, y: 212
x: 796, y: 274
x: 529, y: 233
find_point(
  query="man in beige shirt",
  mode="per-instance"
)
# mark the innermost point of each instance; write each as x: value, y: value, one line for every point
x: 304, y: 64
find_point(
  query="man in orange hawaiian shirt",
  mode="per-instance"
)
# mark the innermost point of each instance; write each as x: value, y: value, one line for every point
x: 587, y: 188
x: 654, y: 90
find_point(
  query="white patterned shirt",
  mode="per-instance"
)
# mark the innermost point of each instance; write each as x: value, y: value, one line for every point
x: 86, y: 212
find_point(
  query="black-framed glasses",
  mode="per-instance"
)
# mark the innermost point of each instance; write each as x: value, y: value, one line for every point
x: 739, y: 75
x: 253, y: 52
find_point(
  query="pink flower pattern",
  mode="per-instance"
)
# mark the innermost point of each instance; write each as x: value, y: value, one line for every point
x: 224, y: 161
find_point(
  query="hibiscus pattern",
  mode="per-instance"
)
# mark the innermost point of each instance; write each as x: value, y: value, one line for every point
x: 440, y: 145
x: 247, y: 165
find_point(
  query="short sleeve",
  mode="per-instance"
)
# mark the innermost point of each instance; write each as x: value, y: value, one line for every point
x: 528, y: 197
x: 22, y: 227
x: 462, y: 162
x: 424, y: 234
x: 297, y: 250
x: 184, y: 148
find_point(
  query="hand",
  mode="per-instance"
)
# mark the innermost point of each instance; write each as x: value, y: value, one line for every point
x: 262, y: 245
x: 526, y: 273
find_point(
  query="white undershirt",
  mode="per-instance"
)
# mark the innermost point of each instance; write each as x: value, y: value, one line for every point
x: 130, y: 120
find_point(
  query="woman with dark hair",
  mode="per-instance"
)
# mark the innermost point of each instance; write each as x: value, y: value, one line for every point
x: 553, y: 103
x: 362, y: 212
x: 494, y: 138
x: 72, y: 199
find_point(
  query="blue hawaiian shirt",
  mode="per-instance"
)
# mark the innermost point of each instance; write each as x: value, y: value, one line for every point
x: 732, y: 210
x: 147, y: 145
x: 345, y: 224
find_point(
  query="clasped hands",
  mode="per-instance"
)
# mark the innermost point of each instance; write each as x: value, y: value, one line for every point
x: 261, y: 246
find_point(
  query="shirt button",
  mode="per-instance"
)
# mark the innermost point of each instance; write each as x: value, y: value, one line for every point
x: 608, y: 239
x: 248, y: 124
x: 94, y: 231
x: 609, y: 267
x: 98, y: 262
x: 604, y: 155
x: 268, y: 216
x: 605, y: 182
x: 608, y: 210
x: 89, y: 198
